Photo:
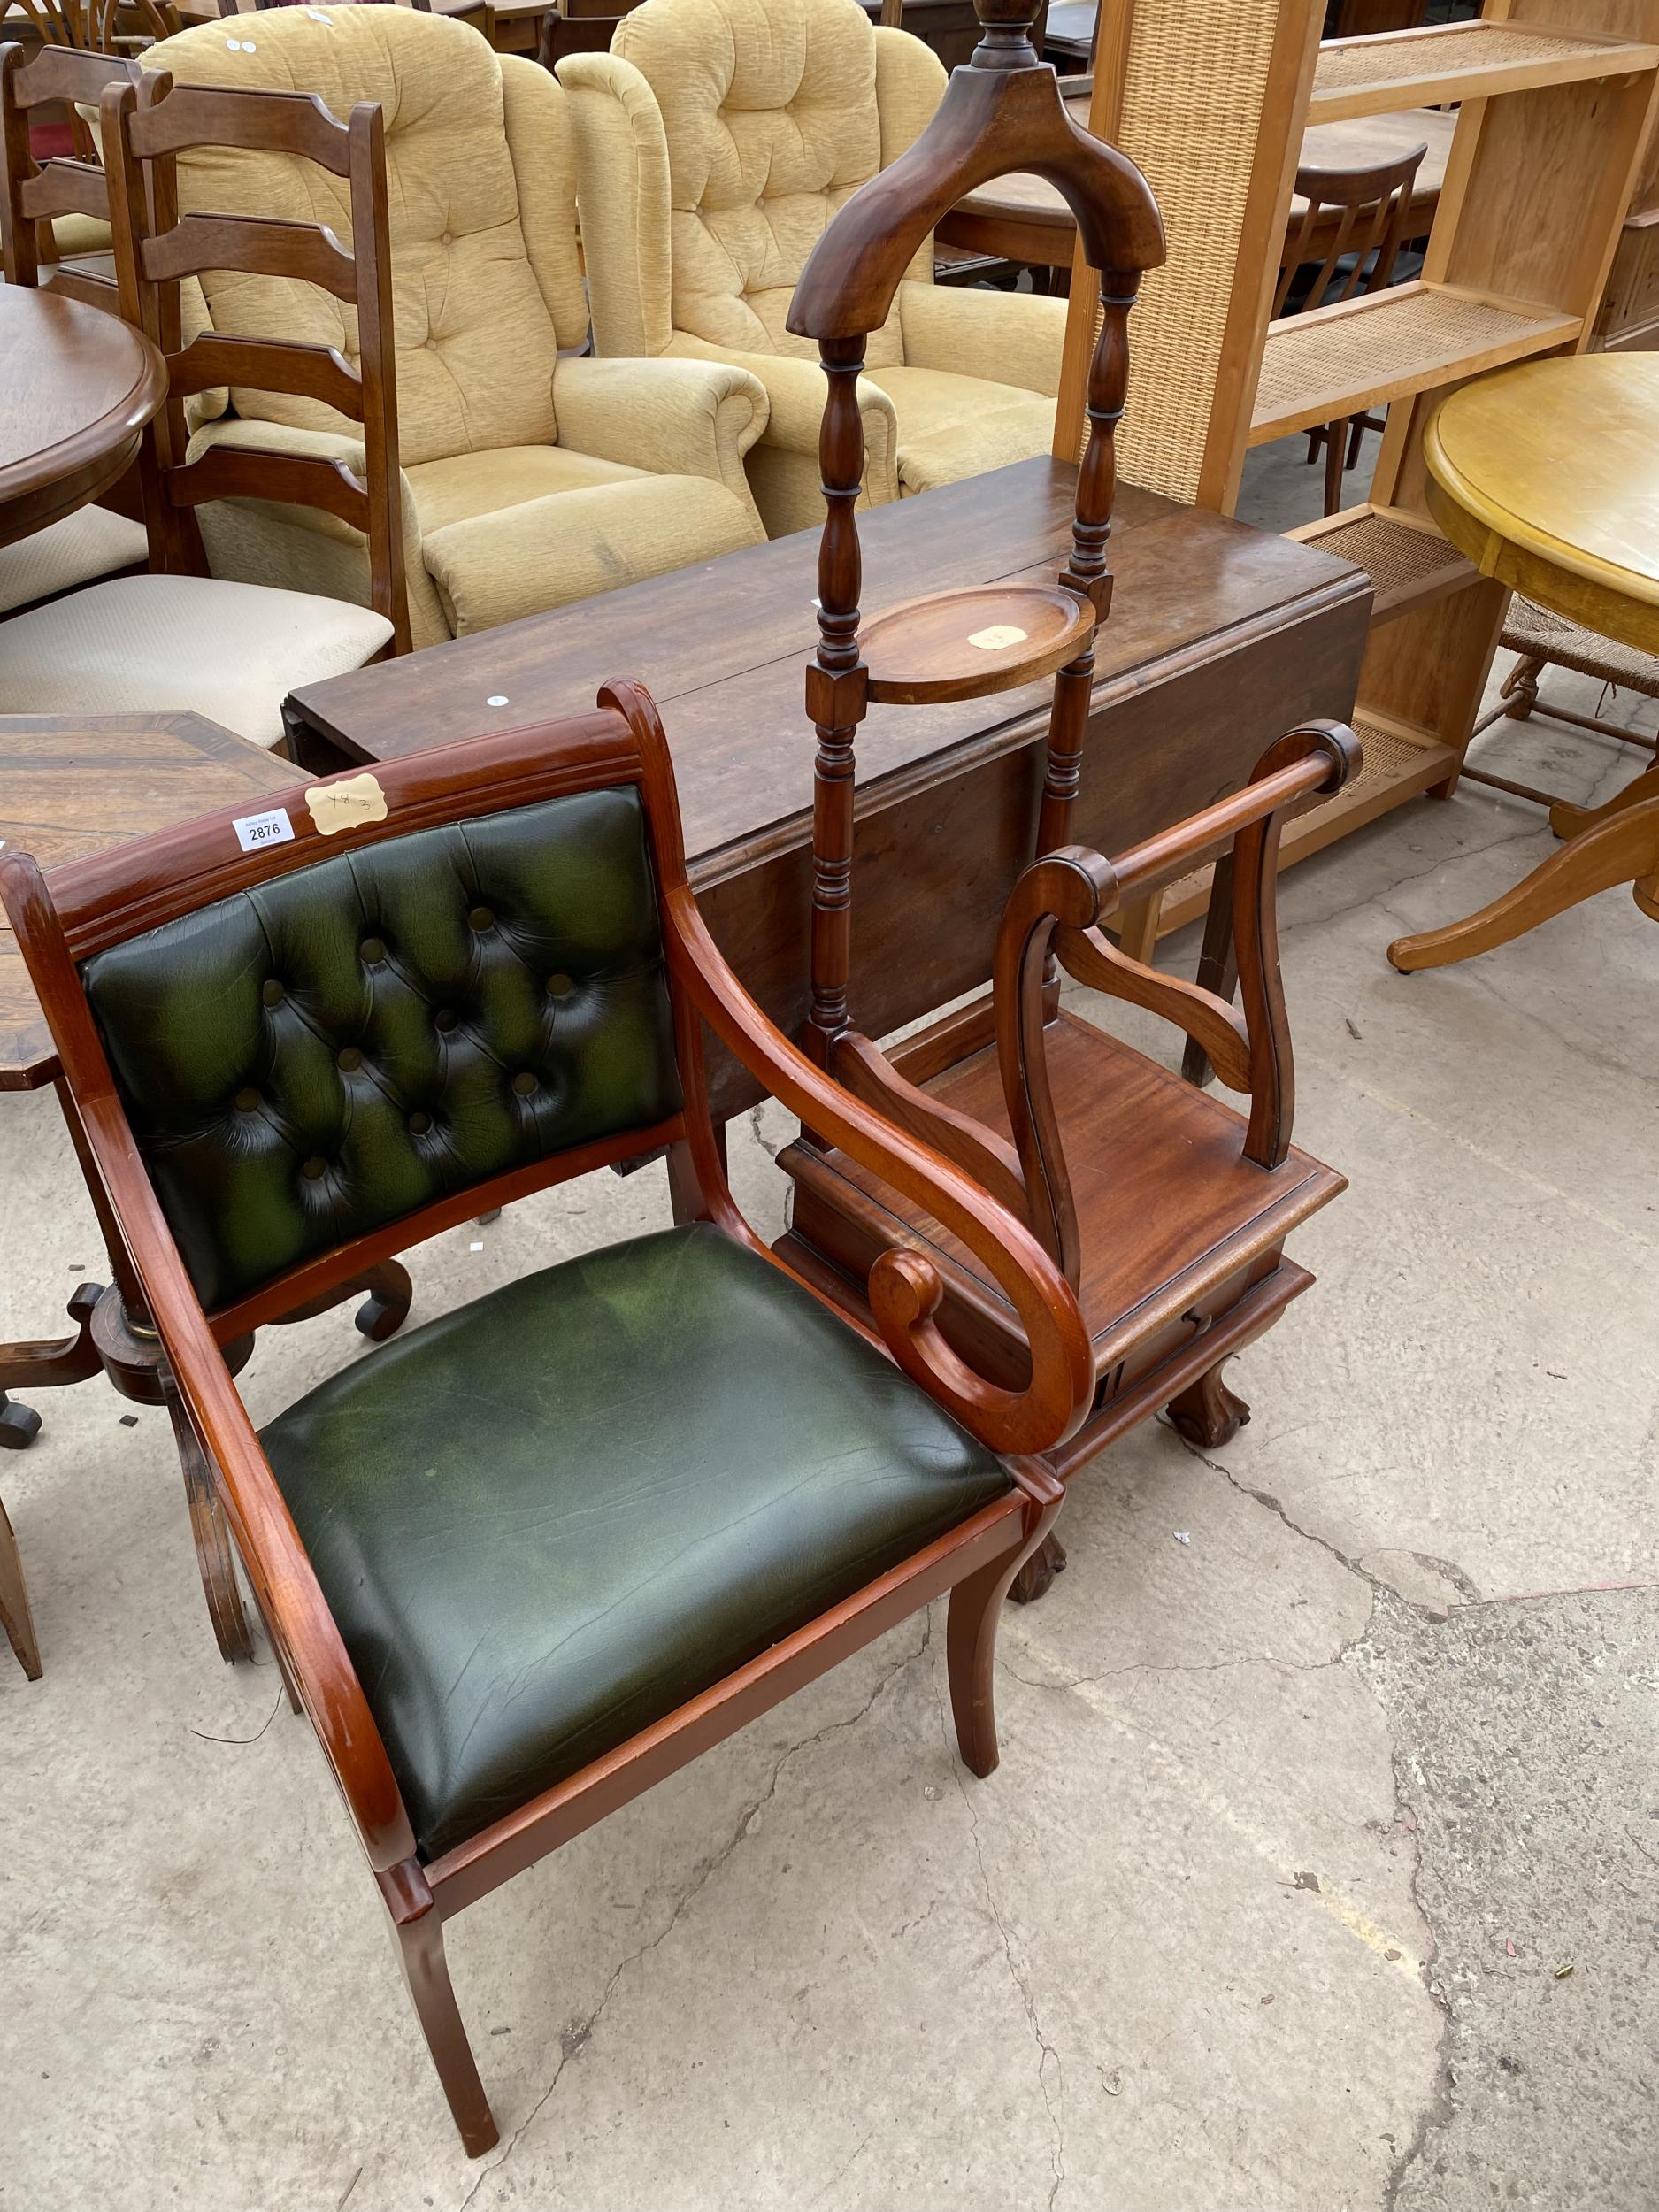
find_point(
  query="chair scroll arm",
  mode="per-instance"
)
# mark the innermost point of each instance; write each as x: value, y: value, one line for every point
x: 290, y: 1595
x: 904, y: 1286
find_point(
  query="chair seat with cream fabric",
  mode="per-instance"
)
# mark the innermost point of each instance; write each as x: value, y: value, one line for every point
x: 163, y: 644
x: 529, y: 480
x: 77, y: 551
x: 714, y: 143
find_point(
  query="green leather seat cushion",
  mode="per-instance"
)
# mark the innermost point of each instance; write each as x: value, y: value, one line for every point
x: 547, y: 1519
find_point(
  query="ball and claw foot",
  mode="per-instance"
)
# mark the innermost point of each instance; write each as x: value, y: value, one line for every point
x: 1038, y: 1571
x: 1207, y: 1413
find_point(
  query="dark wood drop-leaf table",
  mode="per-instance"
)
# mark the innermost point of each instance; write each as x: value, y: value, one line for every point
x: 1219, y: 638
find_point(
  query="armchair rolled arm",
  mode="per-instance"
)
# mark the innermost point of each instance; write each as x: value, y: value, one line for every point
x: 292, y: 1601
x: 795, y: 393
x: 674, y: 416
x: 1006, y: 337
x: 905, y: 1287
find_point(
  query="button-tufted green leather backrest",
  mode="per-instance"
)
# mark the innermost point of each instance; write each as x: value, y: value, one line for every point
x: 308, y: 1061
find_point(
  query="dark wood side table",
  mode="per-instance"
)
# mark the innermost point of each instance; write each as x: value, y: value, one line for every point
x: 1220, y: 638
x: 78, y: 388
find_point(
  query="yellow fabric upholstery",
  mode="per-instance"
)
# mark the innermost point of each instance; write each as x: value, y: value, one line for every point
x: 769, y: 110
x: 714, y: 144
x: 487, y: 288
x: 74, y: 234
x: 548, y: 552
x: 156, y: 644
x: 476, y: 342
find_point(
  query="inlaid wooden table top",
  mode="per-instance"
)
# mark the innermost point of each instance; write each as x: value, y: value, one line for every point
x: 72, y: 785
x: 1547, y: 476
x: 78, y: 388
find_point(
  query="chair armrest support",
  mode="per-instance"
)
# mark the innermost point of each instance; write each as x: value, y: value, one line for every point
x: 904, y: 1285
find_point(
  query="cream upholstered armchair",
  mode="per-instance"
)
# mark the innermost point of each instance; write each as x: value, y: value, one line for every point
x: 714, y: 144
x: 529, y: 480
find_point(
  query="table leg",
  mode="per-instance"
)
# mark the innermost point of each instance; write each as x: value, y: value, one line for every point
x: 1568, y: 820
x: 1620, y: 846
x: 46, y: 1366
x: 14, y: 1603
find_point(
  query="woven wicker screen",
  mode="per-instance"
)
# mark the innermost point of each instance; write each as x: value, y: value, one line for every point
x: 1193, y: 97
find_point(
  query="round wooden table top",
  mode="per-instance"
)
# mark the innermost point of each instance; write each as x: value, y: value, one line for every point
x: 1547, y: 476
x: 78, y: 388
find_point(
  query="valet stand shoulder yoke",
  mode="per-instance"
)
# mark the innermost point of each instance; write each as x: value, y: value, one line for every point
x: 1170, y: 1220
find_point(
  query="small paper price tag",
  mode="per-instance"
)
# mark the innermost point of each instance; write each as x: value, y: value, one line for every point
x: 342, y: 806
x: 997, y: 637
x: 254, y: 832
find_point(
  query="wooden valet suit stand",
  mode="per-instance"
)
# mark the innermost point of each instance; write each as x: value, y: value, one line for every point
x: 1170, y: 1221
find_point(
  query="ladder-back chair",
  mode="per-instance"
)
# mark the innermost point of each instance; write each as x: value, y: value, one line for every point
x: 538, y: 1554
x: 1170, y: 1222
x: 179, y: 639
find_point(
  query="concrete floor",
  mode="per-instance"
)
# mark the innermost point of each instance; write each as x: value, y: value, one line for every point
x: 1326, y: 1757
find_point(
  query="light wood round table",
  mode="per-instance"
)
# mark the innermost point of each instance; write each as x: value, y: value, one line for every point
x: 78, y: 388
x: 1547, y: 476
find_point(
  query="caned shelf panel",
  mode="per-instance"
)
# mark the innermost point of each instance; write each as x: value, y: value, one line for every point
x: 1398, y: 766
x: 1408, y: 562
x: 1461, y: 61
x: 1385, y: 345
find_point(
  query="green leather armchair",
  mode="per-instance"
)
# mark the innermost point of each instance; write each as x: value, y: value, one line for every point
x: 530, y: 1558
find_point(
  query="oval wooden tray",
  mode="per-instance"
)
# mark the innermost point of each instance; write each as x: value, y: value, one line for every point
x: 964, y: 644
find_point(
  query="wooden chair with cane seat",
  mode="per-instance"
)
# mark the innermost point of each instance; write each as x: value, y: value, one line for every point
x: 533, y: 1557
x: 177, y: 638
x: 1370, y: 206
x: 1170, y: 1220
x: 1542, y: 639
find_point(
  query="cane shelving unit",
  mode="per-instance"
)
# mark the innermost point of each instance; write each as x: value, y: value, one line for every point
x: 1555, y: 104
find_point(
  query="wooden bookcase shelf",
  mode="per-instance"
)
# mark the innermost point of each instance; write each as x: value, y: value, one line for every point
x: 1461, y: 61
x: 1555, y: 99
x: 1384, y: 346
x: 1408, y: 562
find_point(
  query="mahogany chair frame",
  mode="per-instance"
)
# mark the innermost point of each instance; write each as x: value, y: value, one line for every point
x: 1374, y: 205
x: 108, y: 898
x: 145, y: 127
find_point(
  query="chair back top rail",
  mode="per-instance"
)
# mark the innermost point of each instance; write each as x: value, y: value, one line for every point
x: 1374, y: 204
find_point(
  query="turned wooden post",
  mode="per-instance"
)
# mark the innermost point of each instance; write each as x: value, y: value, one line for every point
x: 836, y: 694
x: 1087, y: 573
